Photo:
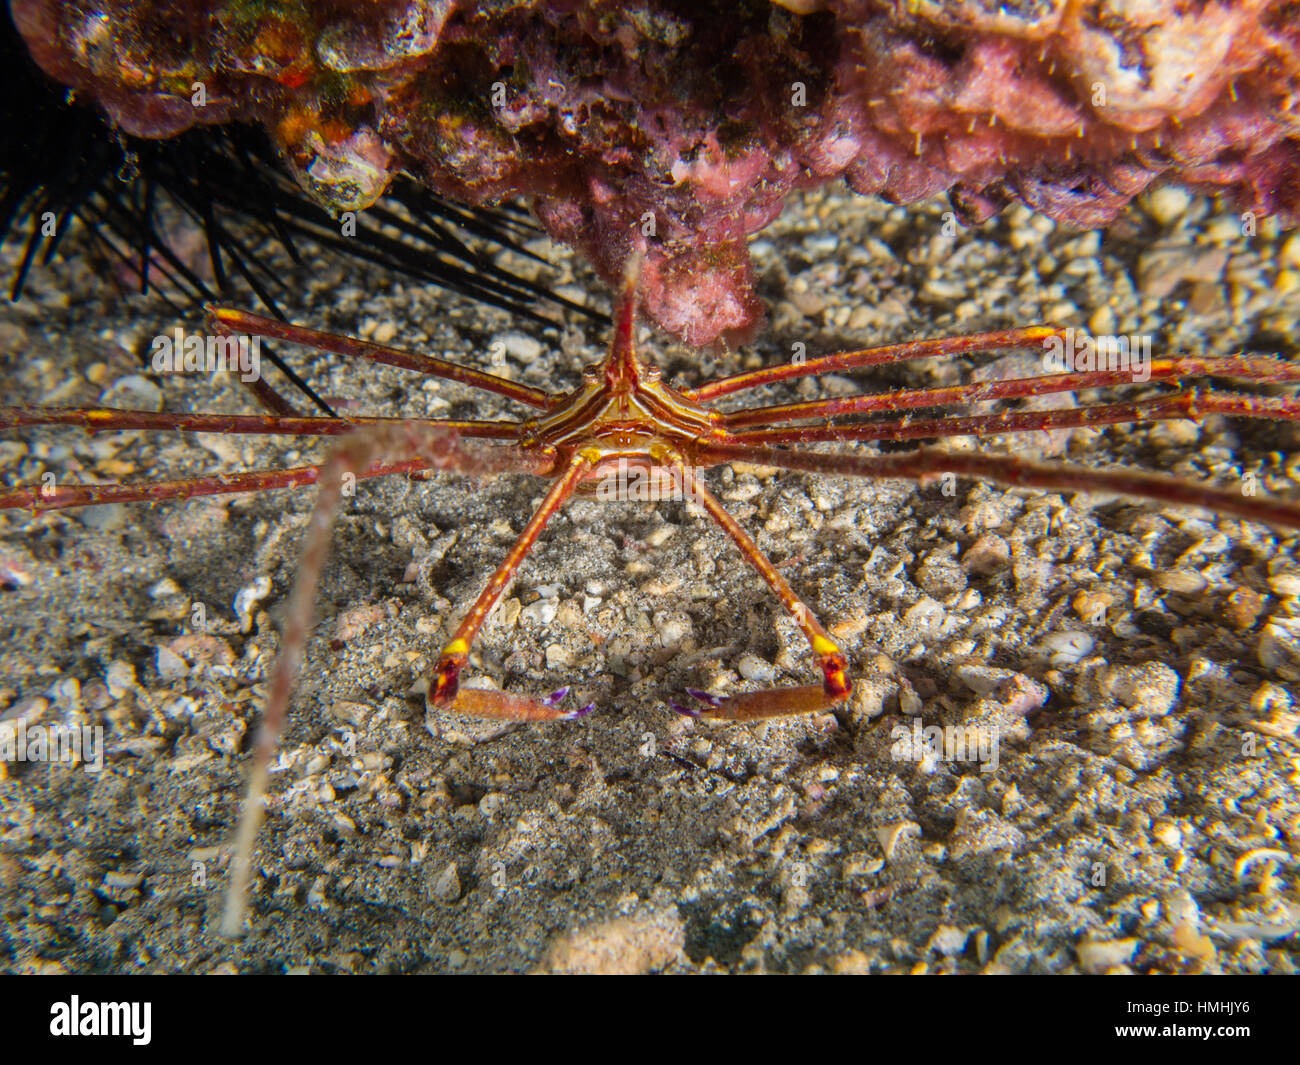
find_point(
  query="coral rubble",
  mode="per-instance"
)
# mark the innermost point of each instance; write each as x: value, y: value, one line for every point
x: 682, y: 126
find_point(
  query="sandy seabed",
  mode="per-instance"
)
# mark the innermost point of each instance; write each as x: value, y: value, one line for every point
x: 1137, y: 664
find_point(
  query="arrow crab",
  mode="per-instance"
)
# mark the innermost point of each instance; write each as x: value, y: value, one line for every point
x: 624, y: 423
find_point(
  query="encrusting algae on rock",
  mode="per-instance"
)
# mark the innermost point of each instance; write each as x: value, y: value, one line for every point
x: 684, y: 127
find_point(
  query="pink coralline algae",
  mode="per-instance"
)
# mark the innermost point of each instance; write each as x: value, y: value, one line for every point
x: 681, y: 126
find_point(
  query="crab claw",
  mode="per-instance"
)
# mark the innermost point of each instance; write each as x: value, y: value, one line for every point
x: 479, y: 702
x: 712, y: 702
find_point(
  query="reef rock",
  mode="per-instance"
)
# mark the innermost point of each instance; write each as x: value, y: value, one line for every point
x: 680, y: 126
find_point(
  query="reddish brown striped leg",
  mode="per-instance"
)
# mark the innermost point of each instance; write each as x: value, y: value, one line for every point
x: 41, y: 497
x: 230, y: 321
x: 1028, y: 337
x: 1015, y: 472
x: 355, y: 454
x: 54, y: 496
x: 1259, y: 369
x: 268, y: 397
x: 772, y: 702
x: 104, y: 419
x: 1164, y: 408
x: 445, y: 692
x: 38, y: 498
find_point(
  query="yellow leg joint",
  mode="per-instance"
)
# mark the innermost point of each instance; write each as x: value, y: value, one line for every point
x: 822, y: 646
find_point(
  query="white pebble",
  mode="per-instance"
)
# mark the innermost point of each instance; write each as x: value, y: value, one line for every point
x: 1279, y: 643
x: 1167, y: 203
x: 66, y: 692
x: 751, y: 667
x: 983, y: 679
x: 948, y: 940
x: 26, y: 711
x: 672, y: 628
x: 659, y: 535
x: 909, y: 702
x: 1098, y: 957
x: 119, y: 678
x: 181, y: 706
x: 133, y: 392
x: 446, y: 885
x: 1289, y: 255
x: 925, y: 616
x: 1181, y: 908
x: 1287, y: 584
x: 247, y: 599
x: 523, y: 348
x: 822, y: 243
x: 540, y: 611
x: 1068, y: 648
x: 1182, y: 581
x: 171, y: 666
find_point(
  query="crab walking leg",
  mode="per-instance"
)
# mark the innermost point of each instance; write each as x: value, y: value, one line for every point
x: 229, y: 321
x: 41, y: 497
x: 437, y: 450
x: 925, y: 463
x: 1165, y: 408
x: 104, y: 419
x: 444, y: 683
x: 772, y: 702
x: 1260, y: 369
x: 270, y: 399
x: 1032, y: 336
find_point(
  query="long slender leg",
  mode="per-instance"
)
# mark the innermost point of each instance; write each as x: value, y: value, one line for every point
x: 59, y: 496
x: 1017, y: 473
x: 1171, y: 407
x: 229, y: 322
x: 434, y: 449
x: 1028, y: 337
x: 269, y: 398
x: 103, y: 419
x: 771, y: 702
x: 444, y: 682
x: 1263, y: 370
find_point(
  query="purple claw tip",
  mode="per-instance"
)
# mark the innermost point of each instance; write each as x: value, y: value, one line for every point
x: 684, y: 711
x: 704, y: 697
x: 555, y: 697
x: 582, y: 712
